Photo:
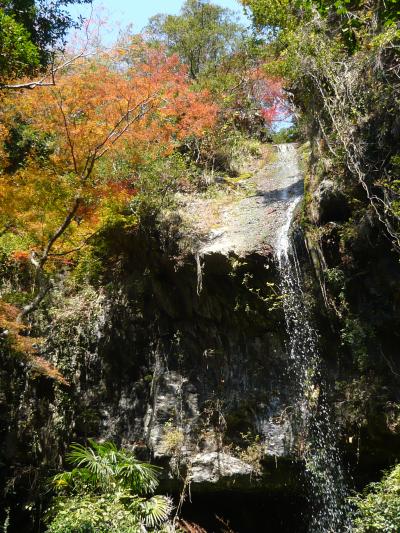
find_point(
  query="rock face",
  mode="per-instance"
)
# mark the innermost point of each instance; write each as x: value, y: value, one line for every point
x: 330, y: 204
x: 185, y: 374
x: 182, y: 360
x: 195, y: 382
x: 182, y: 356
x: 359, y: 321
x: 252, y: 221
x: 212, y: 467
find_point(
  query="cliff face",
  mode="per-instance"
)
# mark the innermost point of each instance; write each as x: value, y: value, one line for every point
x: 181, y: 358
x: 180, y: 353
x: 358, y: 279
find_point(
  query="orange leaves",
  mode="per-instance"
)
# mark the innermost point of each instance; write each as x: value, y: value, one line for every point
x: 20, y: 256
x: 96, y: 103
x: 14, y: 331
x: 125, y: 105
x: 81, y: 113
x: 26, y: 345
x: 183, y: 112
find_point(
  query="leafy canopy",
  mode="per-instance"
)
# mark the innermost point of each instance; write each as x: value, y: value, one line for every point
x: 18, y: 54
x: 45, y: 21
x: 225, y: 59
x: 201, y: 35
x: 75, y: 135
x: 350, y: 20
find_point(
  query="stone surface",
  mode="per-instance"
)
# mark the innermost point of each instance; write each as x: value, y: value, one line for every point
x: 211, y: 467
x: 330, y: 203
x: 249, y: 221
x: 182, y: 360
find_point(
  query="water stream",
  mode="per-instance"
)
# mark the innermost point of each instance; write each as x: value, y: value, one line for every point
x: 317, y: 437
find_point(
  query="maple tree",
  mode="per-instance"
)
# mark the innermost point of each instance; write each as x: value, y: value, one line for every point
x: 133, y: 101
x: 251, y: 102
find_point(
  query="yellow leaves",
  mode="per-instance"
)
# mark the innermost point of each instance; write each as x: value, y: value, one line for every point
x: 3, y: 133
x: 34, y: 200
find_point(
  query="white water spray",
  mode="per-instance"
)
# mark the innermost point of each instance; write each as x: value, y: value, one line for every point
x: 315, y: 430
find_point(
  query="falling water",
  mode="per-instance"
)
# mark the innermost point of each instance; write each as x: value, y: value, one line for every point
x: 317, y: 437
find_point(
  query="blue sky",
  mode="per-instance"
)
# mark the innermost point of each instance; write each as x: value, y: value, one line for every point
x: 120, y: 13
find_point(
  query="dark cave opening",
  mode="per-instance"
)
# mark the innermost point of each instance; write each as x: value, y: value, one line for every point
x: 248, y: 512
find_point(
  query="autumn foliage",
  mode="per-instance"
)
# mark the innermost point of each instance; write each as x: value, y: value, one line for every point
x: 25, y: 345
x: 124, y: 103
x: 78, y: 149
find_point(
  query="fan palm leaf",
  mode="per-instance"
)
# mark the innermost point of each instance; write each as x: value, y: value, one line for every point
x: 110, y: 466
x: 156, y: 510
x: 138, y: 476
x: 102, y: 476
x: 93, y: 460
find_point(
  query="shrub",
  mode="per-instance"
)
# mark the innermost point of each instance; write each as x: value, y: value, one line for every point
x: 378, y: 507
x: 106, y: 492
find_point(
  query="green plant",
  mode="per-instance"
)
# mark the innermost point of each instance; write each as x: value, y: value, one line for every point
x: 253, y: 453
x: 202, y: 34
x: 106, y: 492
x: 285, y: 135
x: 378, y: 507
x: 356, y: 335
x: 18, y: 55
x: 173, y: 439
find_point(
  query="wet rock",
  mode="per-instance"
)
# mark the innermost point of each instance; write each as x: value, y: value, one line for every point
x: 250, y: 220
x: 174, y: 368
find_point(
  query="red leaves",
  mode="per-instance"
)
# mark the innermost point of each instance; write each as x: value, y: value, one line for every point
x: 20, y: 256
x: 268, y: 90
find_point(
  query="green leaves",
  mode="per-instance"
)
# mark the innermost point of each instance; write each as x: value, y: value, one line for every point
x: 18, y: 54
x: 104, y: 466
x: 46, y: 23
x: 88, y: 514
x: 104, y: 493
x: 156, y: 510
x: 349, y: 19
x: 269, y: 13
x: 201, y: 35
x: 378, y: 508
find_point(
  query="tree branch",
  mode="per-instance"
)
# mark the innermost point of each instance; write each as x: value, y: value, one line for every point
x: 61, y: 229
x: 41, y: 82
x: 66, y: 127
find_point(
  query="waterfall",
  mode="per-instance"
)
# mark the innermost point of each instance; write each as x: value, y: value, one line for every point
x: 316, y: 433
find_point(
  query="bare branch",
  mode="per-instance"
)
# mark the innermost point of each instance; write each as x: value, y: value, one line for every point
x: 42, y: 82
x: 60, y: 230
x: 66, y: 127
